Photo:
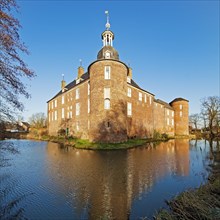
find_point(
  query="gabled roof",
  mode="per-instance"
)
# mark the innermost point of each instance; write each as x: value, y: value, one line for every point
x: 72, y: 84
x: 165, y: 104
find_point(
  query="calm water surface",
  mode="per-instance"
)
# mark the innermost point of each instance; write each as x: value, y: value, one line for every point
x: 60, y: 183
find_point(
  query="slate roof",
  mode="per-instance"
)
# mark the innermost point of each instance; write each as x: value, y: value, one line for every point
x: 71, y: 85
x: 165, y: 104
x: 133, y: 83
x: 179, y: 99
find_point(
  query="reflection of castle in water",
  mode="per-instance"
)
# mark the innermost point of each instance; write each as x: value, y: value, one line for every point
x: 106, y: 183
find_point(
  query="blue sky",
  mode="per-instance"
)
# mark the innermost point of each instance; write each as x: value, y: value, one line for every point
x: 172, y: 46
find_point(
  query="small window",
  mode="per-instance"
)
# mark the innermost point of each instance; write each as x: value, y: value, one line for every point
x: 181, y: 113
x: 108, y: 124
x: 172, y: 122
x: 77, y: 108
x: 55, y: 115
x: 181, y: 107
x: 107, y: 55
x: 107, y: 72
x: 168, y: 112
x: 140, y: 96
x: 172, y: 114
x: 128, y: 80
x: 78, y: 81
x: 77, y: 93
x: 129, y: 92
x: 168, y: 121
x: 63, y: 113
x: 107, y: 104
x: 52, y: 105
x: 106, y: 93
x: 129, y: 109
x: 62, y: 101
x: 145, y: 98
x: 55, y: 103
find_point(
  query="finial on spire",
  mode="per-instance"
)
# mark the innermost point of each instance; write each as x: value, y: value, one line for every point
x: 63, y: 76
x: 107, y: 23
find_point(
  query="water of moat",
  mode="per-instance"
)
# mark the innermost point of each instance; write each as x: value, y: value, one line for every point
x: 51, y: 182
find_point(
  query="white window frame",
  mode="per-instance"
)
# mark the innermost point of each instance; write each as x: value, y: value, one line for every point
x: 172, y: 121
x: 63, y: 113
x: 129, y: 92
x: 181, y: 107
x: 145, y: 98
x: 107, y: 93
x: 77, y: 93
x: 140, y: 95
x: 107, y: 73
x: 55, y: 103
x: 77, y: 108
x: 181, y: 114
x: 107, y: 103
x: 52, y: 105
x: 62, y: 101
x: 129, y: 108
x: 55, y: 115
x: 172, y: 114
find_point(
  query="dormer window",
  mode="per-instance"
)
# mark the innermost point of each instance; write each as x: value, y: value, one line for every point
x: 78, y: 81
x: 107, y: 55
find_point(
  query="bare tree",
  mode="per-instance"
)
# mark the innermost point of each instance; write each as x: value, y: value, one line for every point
x: 194, y: 120
x: 12, y: 66
x: 38, y: 120
x: 210, y: 109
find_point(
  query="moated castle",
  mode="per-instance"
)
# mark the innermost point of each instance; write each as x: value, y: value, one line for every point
x: 104, y: 104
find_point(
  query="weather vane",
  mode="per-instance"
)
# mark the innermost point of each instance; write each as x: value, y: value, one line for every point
x: 107, y: 23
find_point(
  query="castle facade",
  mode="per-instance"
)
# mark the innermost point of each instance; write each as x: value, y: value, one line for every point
x: 104, y: 104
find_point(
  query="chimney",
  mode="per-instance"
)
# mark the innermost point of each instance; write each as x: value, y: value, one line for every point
x: 63, y: 84
x: 80, y: 72
x: 130, y: 72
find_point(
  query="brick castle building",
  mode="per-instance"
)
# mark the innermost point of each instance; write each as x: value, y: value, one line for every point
x: 104, y: 104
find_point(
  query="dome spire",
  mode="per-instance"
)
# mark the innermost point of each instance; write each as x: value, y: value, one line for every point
x: 107, y: 35
x: 107, y: 23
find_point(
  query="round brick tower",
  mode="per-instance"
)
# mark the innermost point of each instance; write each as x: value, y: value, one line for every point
x: 108, y: 92
x: 181, y: 116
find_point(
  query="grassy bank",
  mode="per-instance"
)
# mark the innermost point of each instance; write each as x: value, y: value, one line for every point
x: 85, y: 144
x: 201, y: 203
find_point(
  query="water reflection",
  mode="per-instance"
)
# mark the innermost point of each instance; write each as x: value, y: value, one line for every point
x: 103, y: 185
